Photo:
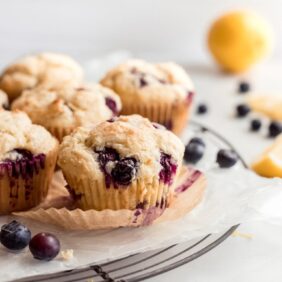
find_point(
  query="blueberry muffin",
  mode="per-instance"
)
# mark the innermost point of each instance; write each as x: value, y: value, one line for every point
x: 161, y: 92
x: 125, y: 163
x: 4, y: 103
x: 62, y: 110
x: 28, y: 155
x: 45, y: 68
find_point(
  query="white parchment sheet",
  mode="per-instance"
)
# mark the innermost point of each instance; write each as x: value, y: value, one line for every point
x: 232, y: 196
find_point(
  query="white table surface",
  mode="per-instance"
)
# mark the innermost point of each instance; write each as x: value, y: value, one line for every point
x: 237, y: 259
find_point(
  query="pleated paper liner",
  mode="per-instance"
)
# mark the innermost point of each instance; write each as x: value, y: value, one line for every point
x: 57, y: 208
x: 173, y: 116
x: 23, y: 185
x: 96, y: 195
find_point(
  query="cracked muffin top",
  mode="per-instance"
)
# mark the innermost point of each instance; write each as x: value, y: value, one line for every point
x: 19, y: 137
x: 50, y: 69
x: 138, y: 79
x: 123, y: 149
x: 69, y: 106
x: 3, y: 100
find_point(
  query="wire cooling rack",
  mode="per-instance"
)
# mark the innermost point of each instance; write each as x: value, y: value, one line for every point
x: 142, y: 266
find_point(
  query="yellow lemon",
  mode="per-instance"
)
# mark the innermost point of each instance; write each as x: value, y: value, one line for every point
x: 239, y: 39
x: 269, y: 164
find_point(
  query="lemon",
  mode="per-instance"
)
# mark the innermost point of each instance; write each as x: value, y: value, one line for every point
x: 239, y: 39
x: 269, y: 105
x: 269, y: 164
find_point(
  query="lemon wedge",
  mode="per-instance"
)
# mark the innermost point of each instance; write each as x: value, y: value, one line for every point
x: 269, y: 105
x: 269, y: 164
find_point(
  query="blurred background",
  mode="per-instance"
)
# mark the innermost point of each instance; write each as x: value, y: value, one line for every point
x: 164, y: 29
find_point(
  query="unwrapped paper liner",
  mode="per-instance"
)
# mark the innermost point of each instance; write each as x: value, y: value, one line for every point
x: 57, y: 209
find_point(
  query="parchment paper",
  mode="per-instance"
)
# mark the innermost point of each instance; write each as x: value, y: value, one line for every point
x: 232, y: 196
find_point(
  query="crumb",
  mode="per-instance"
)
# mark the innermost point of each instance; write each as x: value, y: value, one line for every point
x: 90, y: 280
x: 242, y: 235
x: 67, y: 254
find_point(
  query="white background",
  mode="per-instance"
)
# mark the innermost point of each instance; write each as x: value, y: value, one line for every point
x: 164, y: 29
x: 174, y: 29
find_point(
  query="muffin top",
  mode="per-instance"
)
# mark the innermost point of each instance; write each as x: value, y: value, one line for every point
x: 19, y: 136
x: 123, y: 149
x: 45, y: 68
x: 3, y: 100
x: 69, y: 106
x: 137, y: 79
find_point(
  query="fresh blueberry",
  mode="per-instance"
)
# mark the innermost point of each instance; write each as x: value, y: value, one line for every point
x: 15, y: 236
x: 226, y: 158
x: 194, y: 151
x: 44, y: 246
x: 275, y: 128
x: 197, y: 140
x: 243, y: 110
x: 244, y: 87
x: 112, y: 105
x: 169, y: 168
x: 202, y: 109
x: 255, y: 125
x: 124, y: 171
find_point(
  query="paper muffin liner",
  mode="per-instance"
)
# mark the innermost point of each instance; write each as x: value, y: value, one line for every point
x: 23, y: 185
x: 60, y: 132
x: 90, y: 194
x: 188, y: 192
x: 174, y: 116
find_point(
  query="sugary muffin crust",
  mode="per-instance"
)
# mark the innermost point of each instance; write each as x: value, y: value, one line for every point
x: 137, y: 80
x: 3, y: 100
x: 131, y: 145
x: 45, y: 68
x: 18, y: 133
x: 69, y: 106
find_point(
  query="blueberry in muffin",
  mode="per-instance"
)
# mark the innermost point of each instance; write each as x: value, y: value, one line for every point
x: 161, y: 92
x: 62, y: 110
x: 124, y: 163
x: 28, y: 155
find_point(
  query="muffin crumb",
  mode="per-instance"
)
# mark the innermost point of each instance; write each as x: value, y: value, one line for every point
x: 67, y: 254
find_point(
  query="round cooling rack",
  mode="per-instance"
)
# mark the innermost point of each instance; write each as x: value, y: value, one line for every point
x: 142, y: 266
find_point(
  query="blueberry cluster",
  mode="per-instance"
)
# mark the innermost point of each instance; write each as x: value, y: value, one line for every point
x: 124, y: 170
x: 242, y: 110
x: 16, y: 236
x: 25, y: 165
x: 195, y: 149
